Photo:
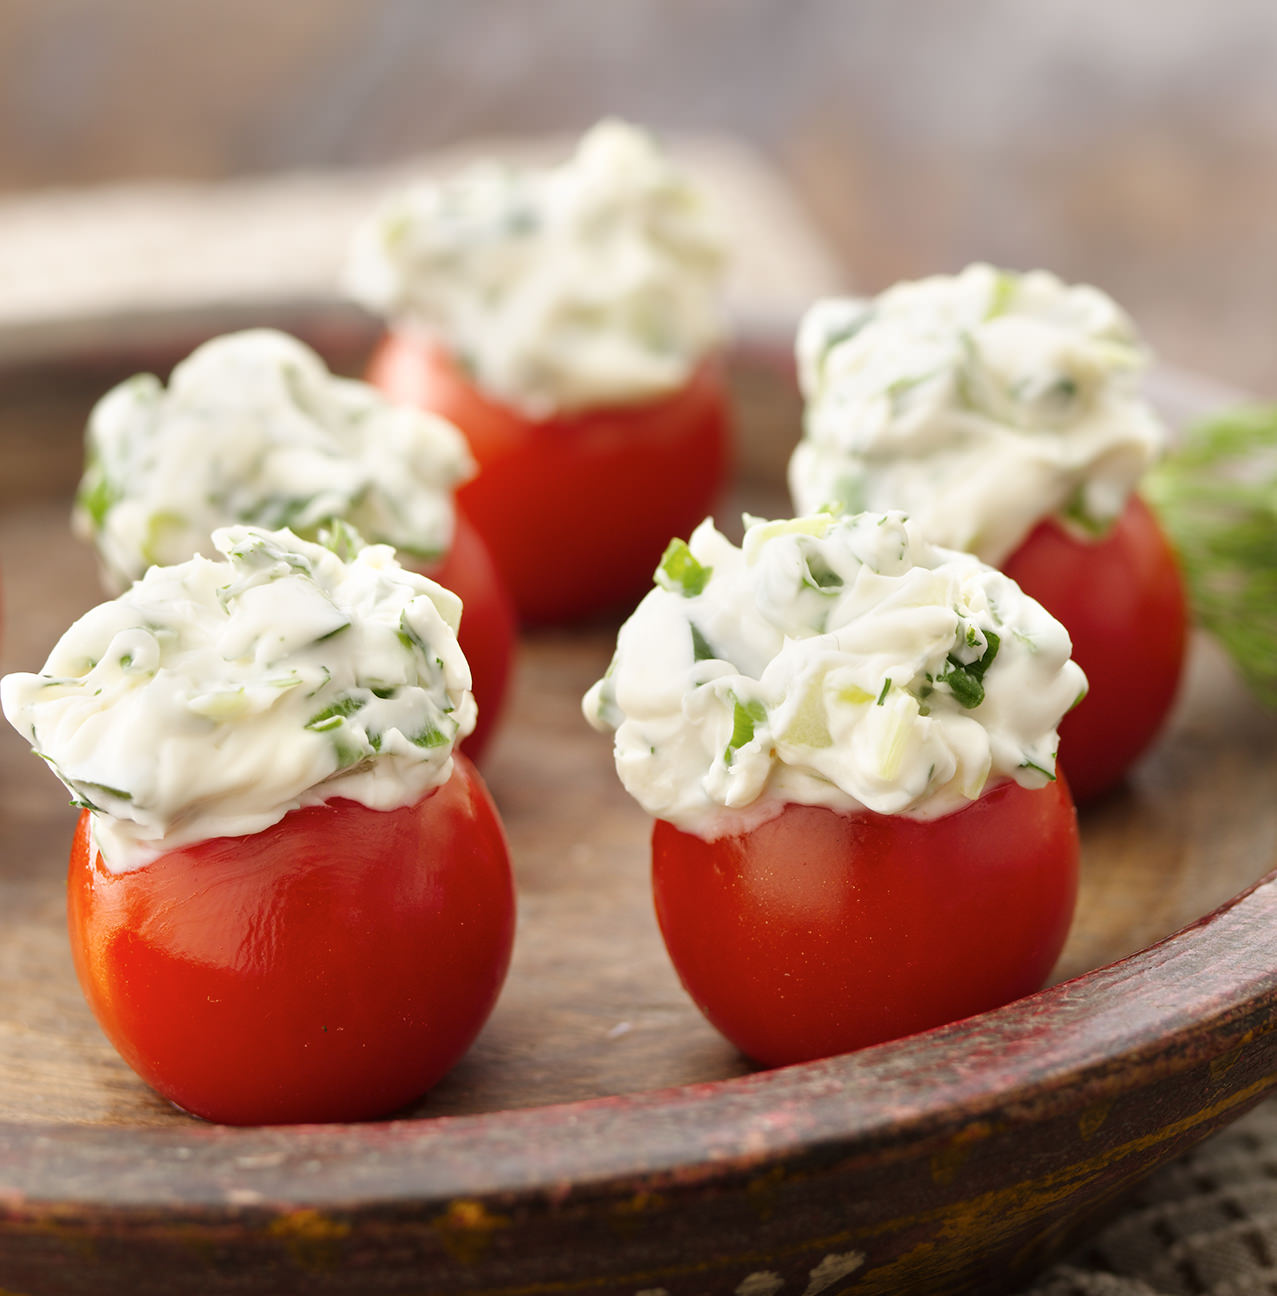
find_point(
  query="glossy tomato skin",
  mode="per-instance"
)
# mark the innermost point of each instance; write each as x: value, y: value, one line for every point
x: 1122, y: 600
x: 578, y: 508
x: 329, y: 968
x: 820, y: 932
x: 489, y: 631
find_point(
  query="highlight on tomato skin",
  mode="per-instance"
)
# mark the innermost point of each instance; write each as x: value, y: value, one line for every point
x: 846, y: 736
x: 329, y: 968
x: 819, y: 932
x: 576, y: 508
x: 1122, y: 599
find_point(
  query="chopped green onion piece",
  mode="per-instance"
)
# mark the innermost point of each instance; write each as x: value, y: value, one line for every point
x: 680, y: 572
x: 409, y: 637
x: 349, y: 752
x: 332, y: 716
x: 701, y: 651
x: 746, y: 716
x: 815, y: 524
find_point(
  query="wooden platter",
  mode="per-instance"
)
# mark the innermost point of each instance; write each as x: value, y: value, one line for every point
x: 600, y: 1137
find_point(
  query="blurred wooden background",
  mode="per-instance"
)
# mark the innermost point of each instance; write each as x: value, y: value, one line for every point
x: 1132, y: 144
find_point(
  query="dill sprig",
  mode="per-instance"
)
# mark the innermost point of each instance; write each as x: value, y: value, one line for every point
x: 1216, y: 496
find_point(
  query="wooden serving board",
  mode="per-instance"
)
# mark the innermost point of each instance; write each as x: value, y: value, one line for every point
x: 591, y: 1008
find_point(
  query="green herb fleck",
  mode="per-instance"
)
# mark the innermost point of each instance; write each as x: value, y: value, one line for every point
x: 1076, y: 512
x: 746, y: 717
x: 322, y: 683
x: 409, y: 636
x: 1062, y: 392
x: 680, y: 572
x: 329, y: 718
x: 97, y: 495
x: 336, y: 630
x: 845, y: 332
x: 342, y: 539
x: 899, y: 391
x: 820, y: 575
x: 1028, y: 764
x: 1004, y: 286
x: 430, y: 737
x: 966, y: 679
x: 349, y: 752
x: 701, y: 651
x: 87, y: 791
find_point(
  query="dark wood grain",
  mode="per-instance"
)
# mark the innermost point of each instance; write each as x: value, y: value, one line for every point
x: 601, y: 1137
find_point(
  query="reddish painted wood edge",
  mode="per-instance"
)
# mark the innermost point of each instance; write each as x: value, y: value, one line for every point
x: 930, y: 1163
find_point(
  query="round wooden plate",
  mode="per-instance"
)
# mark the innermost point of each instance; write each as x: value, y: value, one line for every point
x: 600, y: 1137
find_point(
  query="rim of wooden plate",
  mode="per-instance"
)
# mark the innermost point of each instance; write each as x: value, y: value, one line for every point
x: 1192, y: 997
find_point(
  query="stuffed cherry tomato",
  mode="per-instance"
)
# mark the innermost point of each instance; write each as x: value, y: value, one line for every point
x: 821, y: 931
x: 566, y: 320
x: 625, y: 478
x: 290, y: 899
x: 253, y: 428
x: 1003, y: 412
x: 848, y: 740
x: 1122, y: 597
x: 330, y: 967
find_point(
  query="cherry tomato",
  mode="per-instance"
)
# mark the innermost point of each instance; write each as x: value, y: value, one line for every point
x: 576, y: 509
x: 329, y: 968
x: 819, y: 932
x: 1122, y: 599
x: 488, y: 629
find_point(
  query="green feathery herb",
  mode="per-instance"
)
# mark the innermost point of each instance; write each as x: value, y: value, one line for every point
x: 1217, y: 498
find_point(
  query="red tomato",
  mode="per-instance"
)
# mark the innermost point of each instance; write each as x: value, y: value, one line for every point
x: 329, y: 968
x: 576, y: 509
x: 1122, y: 600
x: 488, y: 630
x: 821, y: 932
